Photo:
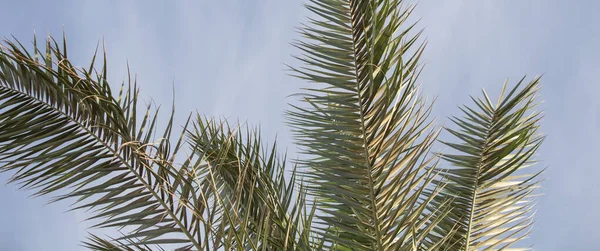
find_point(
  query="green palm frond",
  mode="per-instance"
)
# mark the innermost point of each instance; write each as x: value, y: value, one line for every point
x: 491, y: 191
x: 61, y: 128
x: 365, y: 126
x: 97, y: 243
x: 259, y: 201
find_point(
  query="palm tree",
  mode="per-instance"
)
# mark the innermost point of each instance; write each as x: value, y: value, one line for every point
x: 367, y: 179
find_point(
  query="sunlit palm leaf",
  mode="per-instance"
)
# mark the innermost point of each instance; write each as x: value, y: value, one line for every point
x: 365, y: 126
x: 491, y: 191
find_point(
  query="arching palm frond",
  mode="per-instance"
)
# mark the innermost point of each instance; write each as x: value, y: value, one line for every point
x: 97, y: 243
x: 491, y: 191
x: 61, y: 130
x: 365, y: 127
x: 248, y: 182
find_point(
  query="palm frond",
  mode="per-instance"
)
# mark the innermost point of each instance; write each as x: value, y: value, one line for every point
x: 492, y: 193
x: 62, y: 129
x: 365, y: 126
x: 252, y: 188
x: 97, y: 243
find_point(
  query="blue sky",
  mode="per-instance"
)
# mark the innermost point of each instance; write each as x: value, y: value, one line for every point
x: 226, y: 58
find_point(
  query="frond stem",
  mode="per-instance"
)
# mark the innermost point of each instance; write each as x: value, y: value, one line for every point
x: 363, y: 128
x: 476, y: 184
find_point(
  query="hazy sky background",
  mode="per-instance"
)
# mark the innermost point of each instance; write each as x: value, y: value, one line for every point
x: 226, y: 58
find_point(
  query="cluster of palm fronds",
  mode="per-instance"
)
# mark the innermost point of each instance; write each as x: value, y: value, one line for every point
x: 368, y: 180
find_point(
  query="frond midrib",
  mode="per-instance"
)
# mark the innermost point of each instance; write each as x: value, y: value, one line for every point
x: 364, y: 135
x: 476, y: 184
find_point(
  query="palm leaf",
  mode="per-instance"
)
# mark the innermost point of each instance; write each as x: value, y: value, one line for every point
x: 251, y: 185
x: 491, y: 191
x: 97, y: 243
x: 62, y: 129
x: 364, y: 126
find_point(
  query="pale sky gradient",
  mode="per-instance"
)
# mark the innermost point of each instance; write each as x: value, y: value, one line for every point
x: 226, y: 58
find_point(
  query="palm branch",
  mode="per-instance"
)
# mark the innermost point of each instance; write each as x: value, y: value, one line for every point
x: 364, y: 127
x: 97, y: 243
x: 252, y: 187
x: 62, y: 129
x: 491, y: 189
